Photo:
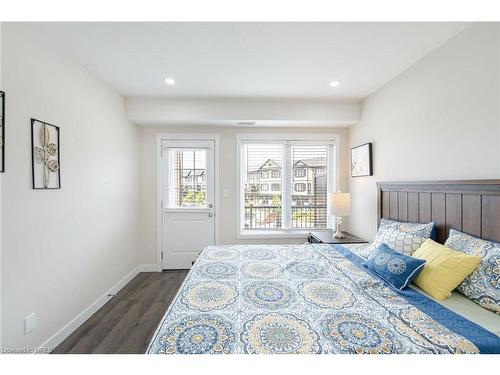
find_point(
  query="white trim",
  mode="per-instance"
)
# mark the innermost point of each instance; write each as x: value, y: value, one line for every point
x: 159, y: 193
x: 150, y: 268
x: 81, y: 318
x: 275, y: 234
x: 286, y: 188
x: 410, y: 276
x: 332, y: 182
x: 263, y: 137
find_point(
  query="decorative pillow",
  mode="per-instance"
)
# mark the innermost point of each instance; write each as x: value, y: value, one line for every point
x: 444, y: 269
x: 403, y: 242
x: 397, y: 269
x: 427, y: 230
x: 483, y: 285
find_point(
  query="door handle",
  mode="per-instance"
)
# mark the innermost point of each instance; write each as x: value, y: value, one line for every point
x: 210, y: 214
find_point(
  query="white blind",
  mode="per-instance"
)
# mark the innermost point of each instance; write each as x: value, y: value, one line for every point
x: 285, y: 184
x: 262, y: 186
x: 309, y: 186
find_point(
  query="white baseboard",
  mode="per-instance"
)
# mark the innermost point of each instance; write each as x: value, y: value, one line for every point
x: 76, y: 322
x: 151, y: 268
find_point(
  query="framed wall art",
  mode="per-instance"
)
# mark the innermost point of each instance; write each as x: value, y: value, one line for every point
x: 45, y: 155
x: 361, y: 160
x: 2, y: 132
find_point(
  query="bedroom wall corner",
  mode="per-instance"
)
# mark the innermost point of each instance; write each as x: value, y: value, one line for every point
x: 83, y: 238
x: 438, y: 120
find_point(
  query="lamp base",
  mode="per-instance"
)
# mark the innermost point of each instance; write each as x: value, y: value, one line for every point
x: 338, y: 235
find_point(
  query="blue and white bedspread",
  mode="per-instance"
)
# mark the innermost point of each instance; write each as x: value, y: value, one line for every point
x: 305, y: 299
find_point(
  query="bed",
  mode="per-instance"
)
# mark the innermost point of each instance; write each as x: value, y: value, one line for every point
x: 320, y: 299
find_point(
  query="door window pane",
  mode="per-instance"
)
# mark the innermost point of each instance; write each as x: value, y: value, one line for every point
x: 187, y: 185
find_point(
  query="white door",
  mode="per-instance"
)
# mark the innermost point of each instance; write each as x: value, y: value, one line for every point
x: 188, y: 214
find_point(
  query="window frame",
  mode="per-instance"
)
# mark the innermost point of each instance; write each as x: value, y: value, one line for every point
x: 332, y: 139
x: 191, y: 179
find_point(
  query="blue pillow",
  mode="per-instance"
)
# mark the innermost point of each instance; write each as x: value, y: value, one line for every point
x: 393, y: 267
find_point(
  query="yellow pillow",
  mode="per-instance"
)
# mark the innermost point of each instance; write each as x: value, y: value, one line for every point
x: 444, y: 268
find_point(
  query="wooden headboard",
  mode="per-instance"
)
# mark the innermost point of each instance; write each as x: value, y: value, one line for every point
x: 472, y: 206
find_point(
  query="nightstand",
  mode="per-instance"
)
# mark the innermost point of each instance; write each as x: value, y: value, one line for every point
x: 326, y: 236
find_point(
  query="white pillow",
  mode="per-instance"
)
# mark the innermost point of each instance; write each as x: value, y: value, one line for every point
x: 425, y: 230
x: 403, y: 242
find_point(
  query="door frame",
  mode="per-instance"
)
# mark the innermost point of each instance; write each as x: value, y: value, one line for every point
x: 160, y: 137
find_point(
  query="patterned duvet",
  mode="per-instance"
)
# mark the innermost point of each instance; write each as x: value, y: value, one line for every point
x: 301, y: 299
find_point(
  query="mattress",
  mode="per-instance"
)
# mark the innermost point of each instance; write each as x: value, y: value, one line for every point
x: 457, y: 303
x: 305, y: 299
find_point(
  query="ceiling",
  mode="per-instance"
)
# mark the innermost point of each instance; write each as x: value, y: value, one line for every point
x: 260, y: 60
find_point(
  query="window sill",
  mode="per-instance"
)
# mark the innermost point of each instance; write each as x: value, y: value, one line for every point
x: 283, y: 234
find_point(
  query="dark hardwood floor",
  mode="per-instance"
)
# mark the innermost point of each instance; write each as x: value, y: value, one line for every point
x: 126, y: 323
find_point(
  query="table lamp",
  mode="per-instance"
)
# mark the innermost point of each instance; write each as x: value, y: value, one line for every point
x: 340, y: 205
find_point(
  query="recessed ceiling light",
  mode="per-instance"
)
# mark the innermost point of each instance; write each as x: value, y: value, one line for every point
x: 335, y: 83
x: 170, y: 81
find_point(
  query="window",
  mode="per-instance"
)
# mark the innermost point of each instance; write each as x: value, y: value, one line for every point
x: 305, y: 169
x: 320, y: 170
x: 300, y: 172
x: 187, y: 167
x: 260, y: 211
x: 311, y: 208
x: 300, y: 187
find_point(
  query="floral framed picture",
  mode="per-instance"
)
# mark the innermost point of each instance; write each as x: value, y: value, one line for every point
x: 45, y: 155
x: 361, y: 160
x: 2, y: 132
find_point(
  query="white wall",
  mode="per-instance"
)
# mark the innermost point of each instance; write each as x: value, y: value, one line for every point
x: 438, y: 120
x: 227, y: 180
x: 1, y: 88
x: 63, y: 249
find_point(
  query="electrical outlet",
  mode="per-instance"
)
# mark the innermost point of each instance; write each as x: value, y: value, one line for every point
x: 29, y: 323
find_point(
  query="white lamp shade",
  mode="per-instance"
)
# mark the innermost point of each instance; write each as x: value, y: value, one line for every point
x: 340, y: 204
